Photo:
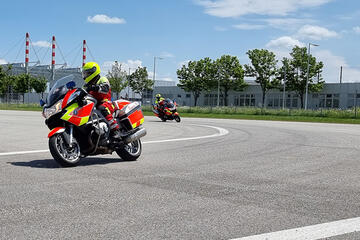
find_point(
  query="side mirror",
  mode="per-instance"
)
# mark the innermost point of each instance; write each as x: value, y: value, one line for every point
x: 42, y: 103
x: 70, y: 85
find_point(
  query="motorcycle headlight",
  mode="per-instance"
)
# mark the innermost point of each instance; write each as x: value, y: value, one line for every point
x: 48, y: 112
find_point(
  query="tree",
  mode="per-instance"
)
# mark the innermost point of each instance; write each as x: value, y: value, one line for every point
x: 297, y: 76
x: 230, y: 75
x: 39, y: 84
x: 117, y: 78
x: 196, y: 77
x: 23, y: 83
x: 7, y: 81
x: 263, y: 68
x: 140, y: 82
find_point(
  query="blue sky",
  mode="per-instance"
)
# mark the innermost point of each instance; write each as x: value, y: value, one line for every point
x: 134, y: 31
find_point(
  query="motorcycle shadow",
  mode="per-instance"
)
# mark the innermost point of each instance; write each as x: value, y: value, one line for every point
x: 50, y: 163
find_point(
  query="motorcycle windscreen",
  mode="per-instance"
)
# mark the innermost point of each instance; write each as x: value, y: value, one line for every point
x: 58, y: 90
x: 78, y: 115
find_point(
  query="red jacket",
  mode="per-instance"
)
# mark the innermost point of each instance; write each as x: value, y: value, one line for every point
x: 104, y: 92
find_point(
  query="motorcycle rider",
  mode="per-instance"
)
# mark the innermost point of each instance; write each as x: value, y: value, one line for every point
x: 160, y: 103
x: 99, y: 87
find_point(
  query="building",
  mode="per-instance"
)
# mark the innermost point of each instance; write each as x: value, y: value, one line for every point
x: 333, y: 95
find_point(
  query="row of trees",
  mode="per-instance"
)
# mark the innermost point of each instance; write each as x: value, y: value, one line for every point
x: 226, y: 73
x: 21, y: 83
x: 138, y: 81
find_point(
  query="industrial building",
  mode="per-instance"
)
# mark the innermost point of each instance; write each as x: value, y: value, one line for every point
x: 333, y: 95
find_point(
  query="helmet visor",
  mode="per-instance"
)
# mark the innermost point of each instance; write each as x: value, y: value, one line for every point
x: 87, y: 72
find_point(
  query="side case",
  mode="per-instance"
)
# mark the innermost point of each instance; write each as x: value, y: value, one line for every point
x: 129, y: 114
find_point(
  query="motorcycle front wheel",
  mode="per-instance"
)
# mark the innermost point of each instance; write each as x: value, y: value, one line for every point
x: 63, y: 154
x: 177, y: 118
x: 131, y: 151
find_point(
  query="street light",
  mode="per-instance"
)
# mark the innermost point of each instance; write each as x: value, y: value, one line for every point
x: 160, y: 58
x: 128, y: 87
x: 218, y: 94
x: 307, y: 78
x: 284, y: 88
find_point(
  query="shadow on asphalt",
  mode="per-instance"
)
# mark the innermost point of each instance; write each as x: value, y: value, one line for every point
x: 50, y: 163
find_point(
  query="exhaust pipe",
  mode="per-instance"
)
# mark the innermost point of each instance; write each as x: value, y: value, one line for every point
x: 136, y: 136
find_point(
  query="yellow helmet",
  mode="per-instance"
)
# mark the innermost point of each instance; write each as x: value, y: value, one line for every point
x: 90, y: 70
x: 158, y: 95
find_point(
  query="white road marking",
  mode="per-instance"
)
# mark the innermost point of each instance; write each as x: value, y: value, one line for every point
x: 221, y: 132
x: 23, y: 152
x: 319, y: 231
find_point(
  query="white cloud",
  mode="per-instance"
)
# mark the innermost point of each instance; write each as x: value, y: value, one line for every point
x: 167, y: 55
x: 315, y: 33
x: 282, y: 46
x: 183, y: 63
x: 236, y: 8
x: 287, y: 23
x: 3, y: 61
x: 286, y: 42
x: 332, y: 64
x: 132, y: 64
x: 356, y: 29
x: 43, y: 44
x: 101, y: 18
x: 245, y: 26
x: 169, y: 79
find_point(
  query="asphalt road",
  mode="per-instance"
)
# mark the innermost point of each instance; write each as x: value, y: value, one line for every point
x: 260, y: 177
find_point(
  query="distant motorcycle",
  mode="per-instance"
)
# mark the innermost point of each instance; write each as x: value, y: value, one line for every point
x: 78, y: 129
x: 167, y: 111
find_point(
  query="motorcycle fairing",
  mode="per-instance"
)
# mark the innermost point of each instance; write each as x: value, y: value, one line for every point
x: 56, y: 131
x: 66, y: 98
x: 78, y: 115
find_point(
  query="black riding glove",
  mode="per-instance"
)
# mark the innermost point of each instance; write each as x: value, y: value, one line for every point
x: 94, y: 88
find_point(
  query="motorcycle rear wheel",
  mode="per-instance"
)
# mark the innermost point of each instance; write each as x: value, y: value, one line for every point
x: 131, y: 151
x: 64, y: 155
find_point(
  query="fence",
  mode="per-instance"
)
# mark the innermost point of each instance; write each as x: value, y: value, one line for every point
x: 17, y: 98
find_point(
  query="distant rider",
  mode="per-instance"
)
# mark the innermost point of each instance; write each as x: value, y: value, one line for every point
x: 100, y: 89
x: 160, y: 102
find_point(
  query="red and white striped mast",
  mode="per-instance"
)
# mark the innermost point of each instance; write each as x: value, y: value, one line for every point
x: 27, y: 46
x: 53, y: 59
x: 84, y: 52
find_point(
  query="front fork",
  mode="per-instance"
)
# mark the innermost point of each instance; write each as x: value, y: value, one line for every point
x: 71, y: 135
x: 67, y: 136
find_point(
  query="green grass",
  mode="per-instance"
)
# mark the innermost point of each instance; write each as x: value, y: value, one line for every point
x: 268, y: 117
x: 293, y: 115
x: 20, y: 107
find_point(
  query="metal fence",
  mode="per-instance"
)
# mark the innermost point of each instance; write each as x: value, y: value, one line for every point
x: 18, y: 98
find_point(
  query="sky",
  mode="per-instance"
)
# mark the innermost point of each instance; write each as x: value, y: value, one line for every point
x: 133, y: 32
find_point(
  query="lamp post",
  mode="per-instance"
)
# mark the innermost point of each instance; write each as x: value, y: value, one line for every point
x: 160, y: 58
x: 284, y: 88
x: 128, y: 86
x: 307, y: 77
x: 218, y: 94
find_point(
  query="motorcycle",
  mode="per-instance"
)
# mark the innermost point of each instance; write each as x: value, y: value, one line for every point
x: 78, y: 129
x: 167, y: 112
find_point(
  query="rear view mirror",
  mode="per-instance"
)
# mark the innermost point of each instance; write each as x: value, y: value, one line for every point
x: 42, y: 103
